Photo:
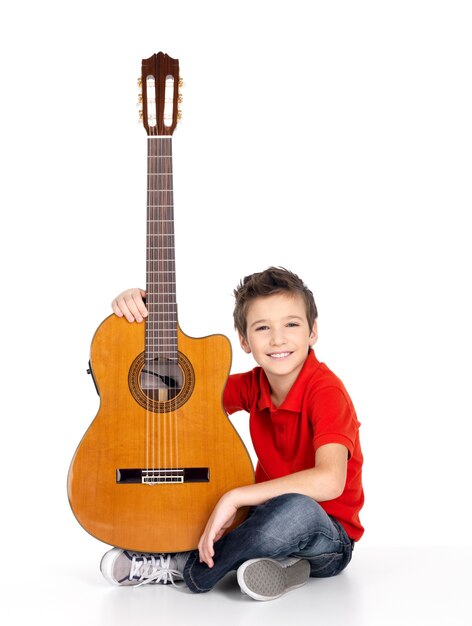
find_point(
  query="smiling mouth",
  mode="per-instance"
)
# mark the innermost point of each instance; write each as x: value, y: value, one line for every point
x: 279, y: 355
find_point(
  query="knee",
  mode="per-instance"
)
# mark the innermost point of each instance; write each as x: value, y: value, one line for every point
x: 287, y: 519
x: 293, y: 507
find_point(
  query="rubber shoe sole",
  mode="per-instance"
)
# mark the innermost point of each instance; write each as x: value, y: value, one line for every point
x: 267, y: 579
x: 109, y: 569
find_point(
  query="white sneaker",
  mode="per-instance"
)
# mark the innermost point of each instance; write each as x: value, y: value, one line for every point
x: 268, y: 579
x: 122, y: 567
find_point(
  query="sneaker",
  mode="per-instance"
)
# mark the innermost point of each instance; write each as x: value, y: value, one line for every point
x: 268, y: 579
x: 122, y: 567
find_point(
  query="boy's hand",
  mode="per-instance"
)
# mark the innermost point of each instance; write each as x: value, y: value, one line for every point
x: 130, y: 304
x: 220, y: 520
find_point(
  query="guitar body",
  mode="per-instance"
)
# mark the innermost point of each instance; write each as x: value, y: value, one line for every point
x: 157, y: 438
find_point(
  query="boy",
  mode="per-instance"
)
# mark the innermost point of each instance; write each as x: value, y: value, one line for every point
x: 304, y: 516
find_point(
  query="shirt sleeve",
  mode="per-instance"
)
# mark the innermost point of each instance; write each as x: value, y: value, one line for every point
x: 236, y: 393
x: 334, y: 419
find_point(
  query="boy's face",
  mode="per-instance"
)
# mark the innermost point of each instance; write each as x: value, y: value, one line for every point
x: 278, y: 335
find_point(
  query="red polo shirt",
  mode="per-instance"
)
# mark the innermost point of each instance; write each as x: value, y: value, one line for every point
x: 316, y: 411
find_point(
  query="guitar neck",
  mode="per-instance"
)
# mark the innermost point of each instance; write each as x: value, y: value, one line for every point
x: 161, y: 323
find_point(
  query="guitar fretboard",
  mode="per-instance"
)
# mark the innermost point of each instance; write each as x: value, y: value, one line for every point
x: 161, y: 324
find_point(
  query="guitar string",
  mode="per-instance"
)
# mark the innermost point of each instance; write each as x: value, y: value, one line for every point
x: 150, y: 342
x: 165, y: 273
x: 161, y: 317
x: 157, y: 289
x: 165, y: 288
x: 169, y: 298
x: 168, y: 274
x: 149, y: 319
x: 161, y: 322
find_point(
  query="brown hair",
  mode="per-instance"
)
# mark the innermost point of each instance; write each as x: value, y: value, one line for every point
x: 270, y: 281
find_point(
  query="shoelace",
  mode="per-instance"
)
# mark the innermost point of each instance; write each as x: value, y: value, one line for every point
x: 153, y: 569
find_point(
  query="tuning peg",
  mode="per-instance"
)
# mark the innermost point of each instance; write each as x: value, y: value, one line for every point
x: 140, y: 82
x: 181, y: 82
x: 140, y: 98
x: 141, y: 115
x: 180, y: 98
x: 179, y: 115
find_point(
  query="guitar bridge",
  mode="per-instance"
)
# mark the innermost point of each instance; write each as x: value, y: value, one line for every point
x: 162, y: 475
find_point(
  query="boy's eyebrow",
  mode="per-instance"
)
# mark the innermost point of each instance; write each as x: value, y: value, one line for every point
x: 287, y: 317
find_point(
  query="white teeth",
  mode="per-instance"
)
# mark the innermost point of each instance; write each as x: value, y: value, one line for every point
x: 279, y: 355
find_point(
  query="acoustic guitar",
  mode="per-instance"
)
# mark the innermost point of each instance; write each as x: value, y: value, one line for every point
x: 160, y: 451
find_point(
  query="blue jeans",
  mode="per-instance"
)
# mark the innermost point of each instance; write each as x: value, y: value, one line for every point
x: 288, y: 525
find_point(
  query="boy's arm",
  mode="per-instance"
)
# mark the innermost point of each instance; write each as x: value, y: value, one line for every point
x: 323, y: 482
x: 130, y: 304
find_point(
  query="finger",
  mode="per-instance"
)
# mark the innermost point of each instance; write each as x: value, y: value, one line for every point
x: 116, y: 309
x: 206, y: 558
x: 139, y: 302
x: 122, y: 305
x: 133, y: 307
x: 206, y: 552
x: 120, y: 308
x: 135, y: 303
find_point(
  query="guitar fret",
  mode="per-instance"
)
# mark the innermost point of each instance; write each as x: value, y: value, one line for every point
x: 152, y: 354
x: 165, y: 344
x: 164, y: 341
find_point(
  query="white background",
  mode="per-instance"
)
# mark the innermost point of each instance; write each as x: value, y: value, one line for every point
x: 332, y: 138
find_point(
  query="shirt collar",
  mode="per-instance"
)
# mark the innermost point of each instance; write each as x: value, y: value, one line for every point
x: 293, y: 401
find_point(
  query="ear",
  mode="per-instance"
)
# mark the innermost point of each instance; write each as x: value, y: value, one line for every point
x: 244, y: 344
x: 313, y: 335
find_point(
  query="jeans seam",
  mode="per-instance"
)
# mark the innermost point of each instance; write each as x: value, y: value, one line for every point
x: 188, y: 571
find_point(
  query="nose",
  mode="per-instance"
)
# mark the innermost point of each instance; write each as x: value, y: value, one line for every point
x: 277, y: 337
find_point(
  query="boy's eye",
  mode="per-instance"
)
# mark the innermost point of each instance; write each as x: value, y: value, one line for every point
x: 261, y: 328
x: 293, y: 324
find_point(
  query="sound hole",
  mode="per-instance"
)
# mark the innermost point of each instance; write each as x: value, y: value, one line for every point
x: 161, y: 379
x: 161, y: 385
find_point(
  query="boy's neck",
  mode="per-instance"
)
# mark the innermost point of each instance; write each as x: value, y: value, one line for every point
x: 277, y: 397
x: 279, y: 389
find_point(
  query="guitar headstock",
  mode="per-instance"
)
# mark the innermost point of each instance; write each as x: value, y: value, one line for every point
x: 160, y: 94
